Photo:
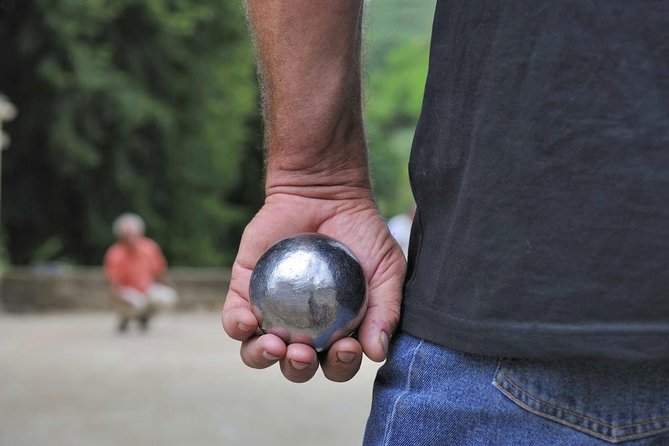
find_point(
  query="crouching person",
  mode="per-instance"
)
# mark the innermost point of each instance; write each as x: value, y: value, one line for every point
x: 136, y: 270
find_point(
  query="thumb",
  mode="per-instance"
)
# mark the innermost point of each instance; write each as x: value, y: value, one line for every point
x: 383, y: 311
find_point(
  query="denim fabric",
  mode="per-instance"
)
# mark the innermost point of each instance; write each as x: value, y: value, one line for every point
x: 426, y: 394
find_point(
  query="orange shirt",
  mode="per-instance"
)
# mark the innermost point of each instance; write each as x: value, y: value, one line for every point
x: 137, y: 267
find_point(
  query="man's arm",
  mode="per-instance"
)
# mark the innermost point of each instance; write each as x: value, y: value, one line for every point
x: 112, y: 269
x: 308, y: 55
x: 159, y: 264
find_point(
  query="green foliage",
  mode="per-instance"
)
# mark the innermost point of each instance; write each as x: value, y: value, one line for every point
x: 391, y: 23
x: 397, y: 55
x: 141, y: 105
x: 151, y: 106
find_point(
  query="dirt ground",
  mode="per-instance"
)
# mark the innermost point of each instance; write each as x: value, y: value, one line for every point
x: 71, y: 379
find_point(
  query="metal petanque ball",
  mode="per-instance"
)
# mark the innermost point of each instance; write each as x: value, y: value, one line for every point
x: 308, y: 289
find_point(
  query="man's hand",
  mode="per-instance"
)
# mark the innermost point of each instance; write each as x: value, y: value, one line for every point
x: 308, y: 54
x: 350, y: 218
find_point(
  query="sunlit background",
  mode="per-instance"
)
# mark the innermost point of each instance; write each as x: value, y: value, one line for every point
x: 151, y: 106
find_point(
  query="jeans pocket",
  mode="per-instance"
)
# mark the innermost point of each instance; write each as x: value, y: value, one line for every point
x: 610, y: 400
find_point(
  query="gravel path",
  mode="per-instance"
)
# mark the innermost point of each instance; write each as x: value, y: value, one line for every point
x: 70, y: 379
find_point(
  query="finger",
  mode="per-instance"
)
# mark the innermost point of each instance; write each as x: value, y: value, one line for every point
x: 342, y: 361
x: 262, y: 351
x: 238, y: 319
x: 239, y: 323
x: 383, y: 311
x: 300, y: 363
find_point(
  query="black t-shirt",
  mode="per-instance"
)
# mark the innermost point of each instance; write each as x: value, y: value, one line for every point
x: 540, y: 168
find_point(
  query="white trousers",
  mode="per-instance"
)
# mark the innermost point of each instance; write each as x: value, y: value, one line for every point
x: 157, y: 297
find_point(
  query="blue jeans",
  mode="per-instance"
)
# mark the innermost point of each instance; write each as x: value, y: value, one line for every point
x: 426, y: 394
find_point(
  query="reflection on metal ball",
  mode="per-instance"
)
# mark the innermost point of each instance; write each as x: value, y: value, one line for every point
x: 308, y: 289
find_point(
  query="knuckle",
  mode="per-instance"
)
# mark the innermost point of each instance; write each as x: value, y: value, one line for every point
x: 230, y: 326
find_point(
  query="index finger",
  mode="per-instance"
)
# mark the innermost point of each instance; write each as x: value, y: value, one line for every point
x: 238, y: 319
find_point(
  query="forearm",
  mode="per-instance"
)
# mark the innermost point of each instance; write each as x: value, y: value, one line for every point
x: 308, y: 54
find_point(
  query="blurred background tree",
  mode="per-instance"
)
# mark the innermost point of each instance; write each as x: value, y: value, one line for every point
x: 142, y: 105
x: 151, y: 106
x: 396, y: 55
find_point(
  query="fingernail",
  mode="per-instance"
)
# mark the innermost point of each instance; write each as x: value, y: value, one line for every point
x: 244, y: 327
x: 297, y: 365
x: 383, y: 340
x: 346, y: 357
x: 268, y: 356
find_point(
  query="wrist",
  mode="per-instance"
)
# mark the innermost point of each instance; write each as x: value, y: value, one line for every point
x: 337, y: 168
x: 340, y: 185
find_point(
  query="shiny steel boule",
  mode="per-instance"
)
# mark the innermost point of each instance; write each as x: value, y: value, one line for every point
x: 309, y: 289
